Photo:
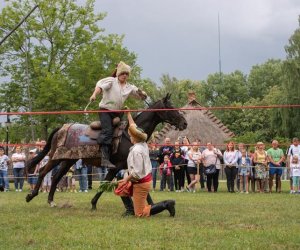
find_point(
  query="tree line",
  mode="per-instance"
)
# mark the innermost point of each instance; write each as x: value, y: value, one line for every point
x: 54, y: 59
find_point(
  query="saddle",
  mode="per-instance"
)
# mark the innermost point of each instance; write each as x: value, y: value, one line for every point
x: 94, y: 129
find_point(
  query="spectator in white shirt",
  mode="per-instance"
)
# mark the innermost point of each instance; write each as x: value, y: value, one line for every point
x: 18, y: 160
x: 230, y: 157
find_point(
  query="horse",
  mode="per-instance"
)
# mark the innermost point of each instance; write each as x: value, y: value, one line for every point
x: 147, y: 120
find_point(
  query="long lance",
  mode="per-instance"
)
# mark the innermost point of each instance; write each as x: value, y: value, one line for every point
x: 18, y: 25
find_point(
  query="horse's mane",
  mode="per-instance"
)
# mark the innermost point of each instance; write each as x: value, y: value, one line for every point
x: 150, y: 105
x: 140, y: 112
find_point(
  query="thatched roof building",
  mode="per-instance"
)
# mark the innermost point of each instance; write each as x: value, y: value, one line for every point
x: 202, y: 125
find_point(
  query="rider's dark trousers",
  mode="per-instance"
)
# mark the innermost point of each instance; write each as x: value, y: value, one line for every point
x: 106, y: 133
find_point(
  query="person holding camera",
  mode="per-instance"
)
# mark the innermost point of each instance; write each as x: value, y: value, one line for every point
x: 212, y: 156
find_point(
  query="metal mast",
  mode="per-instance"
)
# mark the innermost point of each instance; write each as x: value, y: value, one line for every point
x: 219, y: 39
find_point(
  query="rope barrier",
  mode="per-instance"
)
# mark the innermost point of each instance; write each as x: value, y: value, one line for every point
x: 18, y: 144
x: 224, y: 165
x: 37, y: 175
x: 154, y: 144
x: 158, y: 168
x: 149, y: 110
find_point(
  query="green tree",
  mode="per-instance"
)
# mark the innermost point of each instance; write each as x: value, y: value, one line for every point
x: 228, y: 89
x: 180, y: 88
x: 262, y: 87
x: 291, y: 117
x: 54, y: 60
x: 263, y: 77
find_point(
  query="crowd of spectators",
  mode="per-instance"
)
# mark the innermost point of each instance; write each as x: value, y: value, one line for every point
x: 257, y: 169
x: 17, y: 161
x: 180, y: 165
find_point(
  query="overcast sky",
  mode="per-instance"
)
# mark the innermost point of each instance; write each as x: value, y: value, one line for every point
x: 180, y: 37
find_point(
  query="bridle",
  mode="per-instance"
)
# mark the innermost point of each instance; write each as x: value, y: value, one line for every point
x: 163, y: 118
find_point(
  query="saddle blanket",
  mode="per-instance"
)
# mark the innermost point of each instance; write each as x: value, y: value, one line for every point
x: 77, y: 141
x: 72, y: 143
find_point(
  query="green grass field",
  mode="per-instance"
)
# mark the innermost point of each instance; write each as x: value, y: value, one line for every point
x: 211, y: 221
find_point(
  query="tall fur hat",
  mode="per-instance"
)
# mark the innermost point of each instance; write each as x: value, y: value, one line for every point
x: 123, y: 67
x: 137, y: 132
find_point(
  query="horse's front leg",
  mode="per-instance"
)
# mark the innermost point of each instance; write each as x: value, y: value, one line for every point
x: 109, y: 177
x: 50, y: 165
x: 63, y: 169
x: 36, y: 189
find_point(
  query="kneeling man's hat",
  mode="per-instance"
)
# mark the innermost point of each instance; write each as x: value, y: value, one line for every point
x: 137, y: 132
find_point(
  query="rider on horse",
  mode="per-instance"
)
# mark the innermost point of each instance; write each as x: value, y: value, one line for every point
x: 115, y: 91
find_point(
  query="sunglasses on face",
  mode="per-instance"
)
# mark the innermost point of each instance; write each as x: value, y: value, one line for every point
x: 124, y: 73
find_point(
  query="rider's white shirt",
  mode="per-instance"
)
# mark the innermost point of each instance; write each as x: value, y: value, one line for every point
x: 114, y: 95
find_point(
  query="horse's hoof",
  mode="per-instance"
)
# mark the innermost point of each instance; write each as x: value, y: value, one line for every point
x: 93, y: 209
x: 28, y: 198
x: 52, y: 204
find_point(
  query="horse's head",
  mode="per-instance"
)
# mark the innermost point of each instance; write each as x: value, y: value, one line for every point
x: 174, y: 117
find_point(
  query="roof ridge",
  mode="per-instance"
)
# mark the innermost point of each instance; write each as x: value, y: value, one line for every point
x: 207, y: 113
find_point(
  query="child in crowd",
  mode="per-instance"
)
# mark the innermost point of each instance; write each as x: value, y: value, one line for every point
x: 32, y: 175
x: 295, y: 171
x: 62, y: 185
x: 47, y: 179
x: 252, y: 170
x: 71, y: 180
x: 294, y: 149
x: 166, y: 173
x: 177, y: 160
x: 244, y: 172
x: 4, y: 163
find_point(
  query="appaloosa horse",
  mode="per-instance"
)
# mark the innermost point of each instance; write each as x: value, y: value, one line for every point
x: 147, y: 120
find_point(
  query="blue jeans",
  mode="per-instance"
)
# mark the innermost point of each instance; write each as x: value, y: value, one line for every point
x: 102, y: 171
x: 4, y: 179
x: 154, y: 172
x: 83, y: 185
x: 19, y: 177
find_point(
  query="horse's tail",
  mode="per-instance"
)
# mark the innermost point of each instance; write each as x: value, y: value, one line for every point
x: 34, y: 161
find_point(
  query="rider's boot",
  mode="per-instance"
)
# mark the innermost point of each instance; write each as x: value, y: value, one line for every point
x: 105, y: 162
x: 128, y: 205
x: 164, y: 205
